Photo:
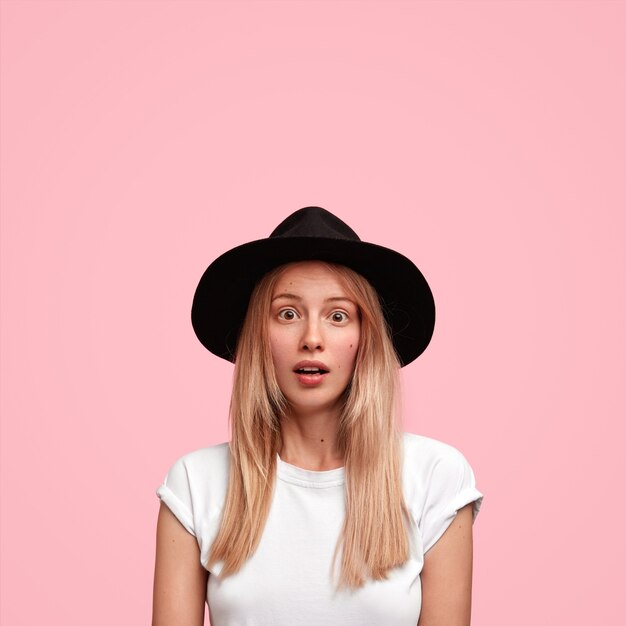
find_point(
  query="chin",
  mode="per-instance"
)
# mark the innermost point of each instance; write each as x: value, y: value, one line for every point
x: 310, y: 404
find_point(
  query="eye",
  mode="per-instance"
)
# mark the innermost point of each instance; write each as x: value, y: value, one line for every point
x: 338, y: 316
x: 287, y: 315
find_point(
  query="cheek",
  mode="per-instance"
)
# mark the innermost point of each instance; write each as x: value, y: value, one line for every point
x: 278, y: 347
x: 350, y: 349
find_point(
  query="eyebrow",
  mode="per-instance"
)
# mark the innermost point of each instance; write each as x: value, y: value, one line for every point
x: 292, y: 296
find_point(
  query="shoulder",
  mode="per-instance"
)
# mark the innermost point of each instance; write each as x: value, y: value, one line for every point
x: 209, y: 456
x: 428, y: 461
x: 200, y: 468
x: 438, y: 481
x: 427, y: 450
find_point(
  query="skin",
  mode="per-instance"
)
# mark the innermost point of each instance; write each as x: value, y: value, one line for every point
x: 180, y: 581
x: 327, y: 331
x: 312, y: 317
x: 447, y: 575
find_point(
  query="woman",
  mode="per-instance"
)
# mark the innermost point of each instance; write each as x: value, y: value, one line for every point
x: 320, y: 510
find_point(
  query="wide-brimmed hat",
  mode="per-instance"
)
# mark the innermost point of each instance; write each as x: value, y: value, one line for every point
x: 312, y: 233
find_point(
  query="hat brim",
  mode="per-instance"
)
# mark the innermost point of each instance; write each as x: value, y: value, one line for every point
x: 221, y: 299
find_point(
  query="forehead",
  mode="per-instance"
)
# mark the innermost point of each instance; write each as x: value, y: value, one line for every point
x: 307, y: 275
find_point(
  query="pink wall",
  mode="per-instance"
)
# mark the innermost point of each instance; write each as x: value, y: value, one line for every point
x: 141, y: 139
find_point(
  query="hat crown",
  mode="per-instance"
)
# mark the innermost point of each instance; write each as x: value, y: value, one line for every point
x: 313, y: 233
x: 314, y: 221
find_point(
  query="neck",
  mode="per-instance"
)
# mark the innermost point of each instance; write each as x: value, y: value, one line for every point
x: 309, y: 439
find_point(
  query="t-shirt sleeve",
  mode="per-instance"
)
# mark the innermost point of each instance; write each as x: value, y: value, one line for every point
x: 451, y: 486
x: 176, y: 492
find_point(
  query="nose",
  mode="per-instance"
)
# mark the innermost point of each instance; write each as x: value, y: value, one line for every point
x: 312, y: 336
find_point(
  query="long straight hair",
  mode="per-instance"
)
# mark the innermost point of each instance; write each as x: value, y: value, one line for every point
x: 374, y: 536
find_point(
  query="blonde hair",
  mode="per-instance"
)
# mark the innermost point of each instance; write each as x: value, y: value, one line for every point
x: 374, y: 535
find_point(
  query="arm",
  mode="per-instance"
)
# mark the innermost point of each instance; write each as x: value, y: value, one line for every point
x: 180, y: 581
x: 447, y: 575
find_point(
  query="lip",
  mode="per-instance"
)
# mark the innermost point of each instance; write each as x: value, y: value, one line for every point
x: 310, y: 380
x: 319, y: 364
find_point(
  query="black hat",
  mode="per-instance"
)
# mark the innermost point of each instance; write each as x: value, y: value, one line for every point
x: 312, y: 233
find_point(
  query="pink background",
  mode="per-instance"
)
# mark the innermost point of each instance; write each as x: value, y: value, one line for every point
x: 487, y: 141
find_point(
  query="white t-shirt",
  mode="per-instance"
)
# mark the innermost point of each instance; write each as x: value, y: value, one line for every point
x: 287, y: 582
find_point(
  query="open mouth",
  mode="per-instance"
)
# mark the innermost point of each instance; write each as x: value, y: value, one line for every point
x: 311, y: 371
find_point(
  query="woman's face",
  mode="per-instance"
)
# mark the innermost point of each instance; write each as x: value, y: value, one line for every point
x: 313, y: 324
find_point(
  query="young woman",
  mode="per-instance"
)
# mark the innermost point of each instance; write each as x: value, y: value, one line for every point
x: 320, y: 510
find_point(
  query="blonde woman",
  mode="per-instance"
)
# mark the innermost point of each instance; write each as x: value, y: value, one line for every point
x: 320, y: 510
